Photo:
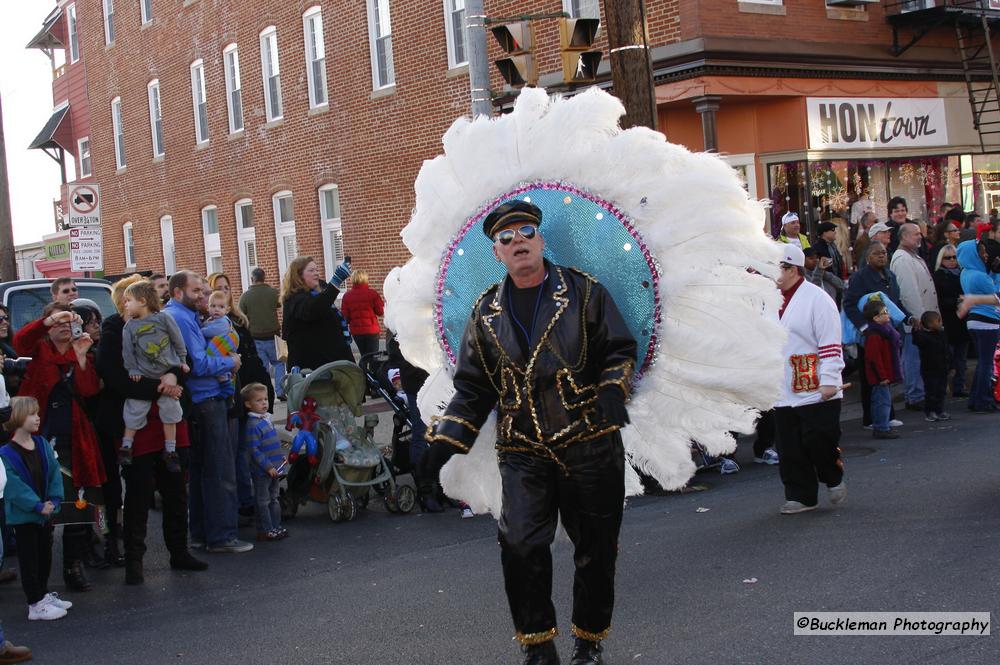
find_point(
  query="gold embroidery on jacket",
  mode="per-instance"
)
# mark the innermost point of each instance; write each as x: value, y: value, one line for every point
x: 805, y: 372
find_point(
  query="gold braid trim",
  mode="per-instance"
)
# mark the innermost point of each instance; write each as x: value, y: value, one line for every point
x: 587, y: 635
x: 455, y: 419
x: 528, y: 639
x: 447, y: 439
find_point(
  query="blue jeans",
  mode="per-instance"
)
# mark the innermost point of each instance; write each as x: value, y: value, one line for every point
x: 914, y: 385
x: 212, y: 510
x: 269, y: 356
x: 881, y: 407
x: 981, y: 393
x: 959, y: 356
x: 268, y: 509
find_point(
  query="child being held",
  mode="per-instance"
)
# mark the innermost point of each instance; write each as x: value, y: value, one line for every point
x: 152, y: 344
x: 882, y: 364
x: 222, y: 338
x: 266, y: 462
x: 932, y: 342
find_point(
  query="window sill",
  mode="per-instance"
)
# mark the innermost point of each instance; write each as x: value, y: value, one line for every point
x: 843, y: 14
x: 749, y: 7
x: 145, y: 25
x: 108, y: 45
x: 120, y: 171
x: 158, y: 159
x: 458, y: 70
x: 201, y: 146
x: 188, y: 3
x: 277, y: 122
x: 238, y: 134
x: 316, y: 110
x: 387, y: 91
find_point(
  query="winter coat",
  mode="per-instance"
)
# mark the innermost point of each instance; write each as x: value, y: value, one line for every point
x: 865, y: 281
x: 949, y: 288
x: 933, y: 348
x: 976, y: 281
x: 361, y: 308
x: 882, y: 361
x: 314, y: 329
x: 47, y: 369
x: 23, y: 501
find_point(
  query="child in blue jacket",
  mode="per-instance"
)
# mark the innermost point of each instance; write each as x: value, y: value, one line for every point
x: 266, y: 462
x: 32, y: 496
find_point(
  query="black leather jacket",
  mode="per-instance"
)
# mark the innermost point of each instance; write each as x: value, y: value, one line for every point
x: 548, y: 401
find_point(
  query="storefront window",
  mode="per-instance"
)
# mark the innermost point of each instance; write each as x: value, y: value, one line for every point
x: 984, y: 185
x: 788, y: 191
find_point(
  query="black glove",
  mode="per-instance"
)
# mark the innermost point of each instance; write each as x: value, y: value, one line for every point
x: 611, y: 403
x: 435, y: 457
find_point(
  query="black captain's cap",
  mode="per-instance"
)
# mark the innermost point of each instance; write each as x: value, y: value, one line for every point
x: 510, y: 212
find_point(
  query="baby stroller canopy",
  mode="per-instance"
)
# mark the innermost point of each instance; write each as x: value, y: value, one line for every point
x: 340, y: 383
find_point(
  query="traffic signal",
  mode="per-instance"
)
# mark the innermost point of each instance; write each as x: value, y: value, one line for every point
x: 518, y: 68
x: 576, y: 40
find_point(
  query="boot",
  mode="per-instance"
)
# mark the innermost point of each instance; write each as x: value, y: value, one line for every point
x: 74, y: 578
x: 113, y: 555
x: 133, y: 572
x: 541, y: 654
x: 586, y: 652
x: 183, y: 560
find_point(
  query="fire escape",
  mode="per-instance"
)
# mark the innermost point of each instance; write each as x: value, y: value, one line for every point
x: 972, y: 22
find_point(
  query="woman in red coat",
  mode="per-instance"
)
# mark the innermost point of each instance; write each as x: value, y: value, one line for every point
x: 361, y: 308
x: 60, y: 376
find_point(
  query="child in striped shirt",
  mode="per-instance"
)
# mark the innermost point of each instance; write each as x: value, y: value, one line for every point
x: 266, y: 462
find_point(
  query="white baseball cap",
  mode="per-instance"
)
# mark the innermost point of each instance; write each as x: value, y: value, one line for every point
x: 793, y: 256
x: 789, y: 218
x: 877, y: 227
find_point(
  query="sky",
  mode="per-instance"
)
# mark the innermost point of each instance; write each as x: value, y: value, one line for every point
x: 26, y: 91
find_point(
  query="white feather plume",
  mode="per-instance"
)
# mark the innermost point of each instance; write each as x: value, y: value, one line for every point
x: 718, y: 361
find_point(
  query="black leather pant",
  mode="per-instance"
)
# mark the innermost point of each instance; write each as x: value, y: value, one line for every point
x: 145, y: 473
x: 536, y: 492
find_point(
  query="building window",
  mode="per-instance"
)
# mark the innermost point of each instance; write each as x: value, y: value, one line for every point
x: 116, y: 125
x: 584, y: 8
x: 155, y: 117
x: 454, y: 27
x: 146, y: 10
x: 167, y: 242
x: 312, y: 22
x: 284, y: 229
x: 74, y: 40
x: 333, y: 236
x: 246, y: 235
x: 109, y: 21
x: 200, y: 103
x: 380, y: 41
x: 271, y: 72
x: 213, y: 247
x: 129, y: 245
x: 234, y: 91
x: 83, y: 153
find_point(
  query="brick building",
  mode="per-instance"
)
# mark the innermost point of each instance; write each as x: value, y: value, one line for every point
x: 227, y: 135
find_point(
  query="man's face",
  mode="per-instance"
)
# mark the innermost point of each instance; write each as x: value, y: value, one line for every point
x: 162, y: 288
x: 66, y: 294
x: 190, y: 294
x: 909, y: 237
x: 788, y: 276
x: 898, y: 213
x: 952, y: 234
x: 202, y: 303
x: 829, y: 236
x: 792, y: 229
x: 521, y: 256
x: 882, y: 237
x: 878, y: 257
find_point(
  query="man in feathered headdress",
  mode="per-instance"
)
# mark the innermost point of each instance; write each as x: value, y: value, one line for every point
x: 547, y: 347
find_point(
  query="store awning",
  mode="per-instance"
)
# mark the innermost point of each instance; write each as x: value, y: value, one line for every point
x: 46, y: 139
x: 46, y: 37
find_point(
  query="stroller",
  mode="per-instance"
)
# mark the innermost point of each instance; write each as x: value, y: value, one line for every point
x: 343, y: 464
x: 376, y: 368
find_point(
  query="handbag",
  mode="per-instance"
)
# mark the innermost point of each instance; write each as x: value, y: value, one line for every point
x: 280, y: 348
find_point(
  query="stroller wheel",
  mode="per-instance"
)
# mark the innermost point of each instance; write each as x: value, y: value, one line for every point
x: 335, y: 506
x: 350, y: 508
x: 406, y: 498
x: 389, y: 500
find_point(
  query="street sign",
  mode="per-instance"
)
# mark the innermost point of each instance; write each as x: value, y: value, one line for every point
x: 86, y: 249
x: 84, y: 206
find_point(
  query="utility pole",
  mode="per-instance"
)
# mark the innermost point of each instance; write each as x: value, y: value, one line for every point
x: 8, y: 265
x: 631, y: 63
x: 479, y: 68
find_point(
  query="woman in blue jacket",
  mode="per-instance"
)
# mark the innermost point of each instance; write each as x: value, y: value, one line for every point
x: 32, y: 496
x: 983, y: 321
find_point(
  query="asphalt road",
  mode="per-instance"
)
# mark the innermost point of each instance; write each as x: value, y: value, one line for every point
x: 919, y: 532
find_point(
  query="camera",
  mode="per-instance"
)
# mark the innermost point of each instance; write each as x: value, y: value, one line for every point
x: 76, y: 329
x: 15, y: 366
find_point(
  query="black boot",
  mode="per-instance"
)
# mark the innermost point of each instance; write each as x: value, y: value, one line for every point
x: 112, y: 554
x: 541, y: 654
x: 74, y: 578
x: 133, y: 572
x: 183, y: 560
x: 586, y: 652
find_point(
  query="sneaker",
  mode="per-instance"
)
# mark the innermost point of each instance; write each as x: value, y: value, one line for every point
x: 895, y: 423
x: 197, y: 545
x: 838, y: 494
x: 467, y: 513
x: 770, y: 456
x: 793, y: 507
x: 173, y: 462
x: 868, y: 427
x: 43, y: 610
x: 931, y: 418
x: 728, y: 466
x: 233, y: 546
x: 54, y: 599
x: 944, y: 415
x: 124, y: 456
x: 884, y: 434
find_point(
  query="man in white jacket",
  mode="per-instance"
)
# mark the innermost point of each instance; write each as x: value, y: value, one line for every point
x: 807, y: 415
x: 916, y: 290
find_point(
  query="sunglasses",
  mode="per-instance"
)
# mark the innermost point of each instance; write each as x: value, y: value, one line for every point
x: 67, y: 291
x: 4, y: 318
x: 506, y: 236
x: 949, y: 258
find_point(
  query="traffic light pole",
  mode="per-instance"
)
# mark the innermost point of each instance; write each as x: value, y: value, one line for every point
x: 8, y: 263
x: 479, y: 67
x: 631, y: 64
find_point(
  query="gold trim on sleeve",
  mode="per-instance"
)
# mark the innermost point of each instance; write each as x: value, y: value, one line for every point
x: 589, y: 636
x: 455, y: 419
x: 528, y: 639
x: 447, y: 439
